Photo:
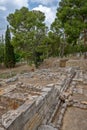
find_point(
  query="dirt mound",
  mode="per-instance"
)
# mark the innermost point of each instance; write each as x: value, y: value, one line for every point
x: 81, y: 63
x: 64, y: 62
x: 54, y: 63
x: 49, y: 63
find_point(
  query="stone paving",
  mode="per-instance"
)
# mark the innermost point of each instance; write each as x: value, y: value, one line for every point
x: 75, y: 117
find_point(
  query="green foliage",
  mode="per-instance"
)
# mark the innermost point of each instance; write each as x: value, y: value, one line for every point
x: 71, y: 20
x: 54, y: 43
x: 9, y: 58
x: 72, y: 49
x: 28, y: 30
x: 1, y: 50
x: 33, y: 42
x: 70, y: 25
x: 17, y: 57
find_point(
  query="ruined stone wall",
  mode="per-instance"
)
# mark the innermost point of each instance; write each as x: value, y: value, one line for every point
x: 33, y: 113
x: 29, y: 117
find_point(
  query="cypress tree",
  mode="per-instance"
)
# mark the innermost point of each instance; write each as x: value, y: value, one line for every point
x: 9, y: 50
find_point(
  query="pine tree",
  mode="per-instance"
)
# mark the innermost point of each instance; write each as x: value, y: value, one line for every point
x: 71, y: 20
x: 28, y: 31
x: 9, y: 51
x: 1, y: 49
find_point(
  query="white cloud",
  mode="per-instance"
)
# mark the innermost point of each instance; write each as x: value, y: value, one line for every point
x: 9, y: 6
x: 50, y: 13
x: 2, y: 8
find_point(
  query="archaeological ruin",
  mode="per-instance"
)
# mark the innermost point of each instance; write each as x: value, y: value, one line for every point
x: 46, y: 99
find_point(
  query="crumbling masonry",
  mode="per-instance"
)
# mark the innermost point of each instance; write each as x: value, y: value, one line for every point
x: 40, y: 99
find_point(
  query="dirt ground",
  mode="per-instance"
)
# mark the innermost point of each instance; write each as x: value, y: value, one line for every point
x: 75, y: 121
x: 18, y: 68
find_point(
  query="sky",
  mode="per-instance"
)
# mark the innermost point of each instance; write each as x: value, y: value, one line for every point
x: 8, y: 6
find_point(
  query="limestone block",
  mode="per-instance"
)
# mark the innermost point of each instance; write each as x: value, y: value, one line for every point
x: 12, y: 79
x: 2, y: 128
x: 8, y: 118
x: 80, y: 90
x: 84, y: 102
x: 63, y: 62
x: 46, y: 127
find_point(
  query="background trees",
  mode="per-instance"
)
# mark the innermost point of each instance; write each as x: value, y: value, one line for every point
x: 1, y: 49
x: 71, y: 23
x: 33, y: 41
x: 73, y: 17
x: 9, y: 56
x: 29, y: 31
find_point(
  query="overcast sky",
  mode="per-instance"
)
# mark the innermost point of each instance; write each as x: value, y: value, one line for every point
x: 8, y: 6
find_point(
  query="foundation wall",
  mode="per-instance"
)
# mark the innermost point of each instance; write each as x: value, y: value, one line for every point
x: 34, y: 114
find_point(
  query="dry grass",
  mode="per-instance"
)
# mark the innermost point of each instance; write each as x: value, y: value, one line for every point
x: 19, y: 69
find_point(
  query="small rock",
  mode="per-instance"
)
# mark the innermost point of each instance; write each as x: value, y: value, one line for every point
x: 12, y: 79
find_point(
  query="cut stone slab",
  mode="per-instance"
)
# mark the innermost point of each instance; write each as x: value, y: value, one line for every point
x: 84, y: 102
x: 12, y: 79
x: 2, y: 128
x: 46, y: 127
